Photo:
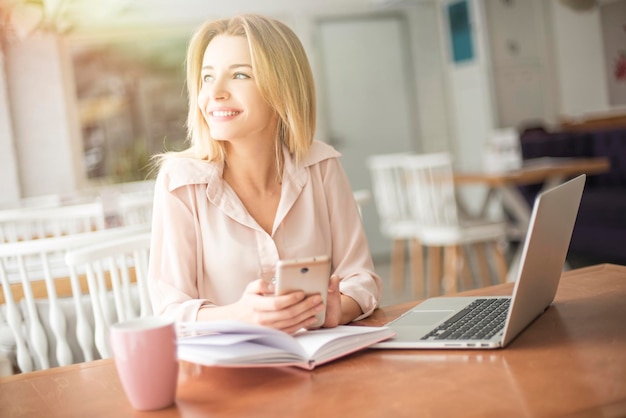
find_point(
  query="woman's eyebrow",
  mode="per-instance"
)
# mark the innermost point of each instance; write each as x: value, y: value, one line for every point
x: 210, y: 67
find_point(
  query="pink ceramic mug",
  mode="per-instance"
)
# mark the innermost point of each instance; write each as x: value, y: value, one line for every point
x: 144, y: 350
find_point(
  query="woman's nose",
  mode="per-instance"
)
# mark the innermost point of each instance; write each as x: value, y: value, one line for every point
x: 218, y: 89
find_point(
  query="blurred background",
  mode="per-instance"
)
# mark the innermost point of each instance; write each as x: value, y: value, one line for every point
x: 89, y: 90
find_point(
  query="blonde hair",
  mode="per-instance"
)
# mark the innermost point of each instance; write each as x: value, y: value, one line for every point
x: 283, y: 76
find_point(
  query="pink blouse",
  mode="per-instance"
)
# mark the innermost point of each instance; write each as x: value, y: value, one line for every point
x: 206, y: 247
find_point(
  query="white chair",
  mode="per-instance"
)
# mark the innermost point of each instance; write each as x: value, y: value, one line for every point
x: 44, y: 201
x: 361, y: 197
x: 26, y: 224
x: 127, y: 203
x: 136, y: 207
x: 119, y: 262
x: 395, y: 218
x: 40, y: 296
x: 6, y: 368
x: 430, y: 190
x: 111, y: 209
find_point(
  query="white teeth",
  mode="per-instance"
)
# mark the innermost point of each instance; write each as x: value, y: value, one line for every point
x: 222, y: 113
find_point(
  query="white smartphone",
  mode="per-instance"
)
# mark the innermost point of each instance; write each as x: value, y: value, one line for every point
x: 310, y: 275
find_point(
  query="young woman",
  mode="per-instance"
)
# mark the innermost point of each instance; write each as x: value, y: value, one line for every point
x: 253, y: 188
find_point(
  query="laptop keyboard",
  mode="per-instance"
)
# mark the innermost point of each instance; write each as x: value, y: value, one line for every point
x: 481, y: 319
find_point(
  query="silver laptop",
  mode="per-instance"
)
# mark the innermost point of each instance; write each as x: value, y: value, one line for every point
x: 450, y: 322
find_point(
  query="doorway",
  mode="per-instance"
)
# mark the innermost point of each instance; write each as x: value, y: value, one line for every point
x: 367, y: 98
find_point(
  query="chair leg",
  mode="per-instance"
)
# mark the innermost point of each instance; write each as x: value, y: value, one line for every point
x: 417, y: 266
x: 484, y: 274
x: 397, y: 264
x: 451, y: 268
x: 500, y: 262
x: 467, y: 278
x: 434, y: 271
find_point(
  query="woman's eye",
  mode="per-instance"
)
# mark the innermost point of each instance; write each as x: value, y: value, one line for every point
x: 207, y: 78
x: 241, y: 76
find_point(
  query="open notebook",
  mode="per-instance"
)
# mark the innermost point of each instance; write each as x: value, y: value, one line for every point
x: 493, y: 322
x: 235, y: 344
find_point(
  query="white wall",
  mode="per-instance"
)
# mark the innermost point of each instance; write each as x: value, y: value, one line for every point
x: 455, y: 103
x: 430, y: 84
x: 579, y: 67
x: 9, y: 185
x: 44, y: 115
x: 580, y: 61
x: 470, y: 110
x: 523, y: 79
x: 431, y: 119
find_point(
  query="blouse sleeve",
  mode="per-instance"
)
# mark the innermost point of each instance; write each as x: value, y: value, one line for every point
x: 173, y: 264
x: 352, y: 260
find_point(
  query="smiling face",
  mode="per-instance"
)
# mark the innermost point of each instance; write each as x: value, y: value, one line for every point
x: 229, y: 98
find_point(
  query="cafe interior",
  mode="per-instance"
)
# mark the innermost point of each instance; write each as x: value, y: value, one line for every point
x: 509, y: 97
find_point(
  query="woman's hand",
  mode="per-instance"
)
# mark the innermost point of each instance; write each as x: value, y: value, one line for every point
x: 333, y: 303
x: 288, y: 313
x: 340, y: 309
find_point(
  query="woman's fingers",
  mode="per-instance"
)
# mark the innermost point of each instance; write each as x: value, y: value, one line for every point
x: 289, y: 312
x: 293, y: 316
x: 333, y: 284
x: 260, y: 287
x: 333, y: 303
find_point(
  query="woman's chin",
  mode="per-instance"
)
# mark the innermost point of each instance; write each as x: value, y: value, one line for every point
x: 218, y: 136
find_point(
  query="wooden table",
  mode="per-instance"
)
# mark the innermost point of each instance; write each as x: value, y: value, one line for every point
x: 549, y: 172
x: 538, y: 170
x: 570, y: 362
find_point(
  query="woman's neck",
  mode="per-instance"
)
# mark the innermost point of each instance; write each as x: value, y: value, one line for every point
x: 256, y: 181
x: 256, y: 171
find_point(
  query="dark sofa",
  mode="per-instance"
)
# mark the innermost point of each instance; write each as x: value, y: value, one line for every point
x: 600, y: 230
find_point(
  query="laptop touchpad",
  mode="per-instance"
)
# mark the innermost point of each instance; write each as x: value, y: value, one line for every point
x: 420, y: 318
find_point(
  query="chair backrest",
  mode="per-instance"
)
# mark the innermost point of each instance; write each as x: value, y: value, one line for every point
x: 389, y: 191
x: 127, y: 203
x: 120, y: 262
x: 26, y: 224
x: 136, y: 207
x: 110, y: 210
x: 430, y: 189
x: 44, y: 201
x: 361, y: 197
x: 44, y: 305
